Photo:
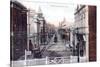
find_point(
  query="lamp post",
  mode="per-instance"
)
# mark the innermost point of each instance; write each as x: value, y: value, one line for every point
x: 28, y: 24
x: 78, y: 48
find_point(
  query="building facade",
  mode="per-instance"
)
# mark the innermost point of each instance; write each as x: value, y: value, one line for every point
x: 18, y: 30
x: 85, y: 27
x: 92, y: 33
x: 31, y: 29
x: 81, y: 31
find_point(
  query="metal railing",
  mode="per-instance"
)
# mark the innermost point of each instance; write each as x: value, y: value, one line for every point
x: 58, y: 60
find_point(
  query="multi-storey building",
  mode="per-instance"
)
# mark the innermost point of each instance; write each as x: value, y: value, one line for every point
x: 18, y: 30
x: 82, y: 28
x: 85, y: 23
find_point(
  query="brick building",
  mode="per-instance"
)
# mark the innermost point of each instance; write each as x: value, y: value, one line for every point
x: 18, y: 30
x: 92, y: 34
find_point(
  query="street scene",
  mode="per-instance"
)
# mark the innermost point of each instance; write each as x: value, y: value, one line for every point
x: 44, y: 32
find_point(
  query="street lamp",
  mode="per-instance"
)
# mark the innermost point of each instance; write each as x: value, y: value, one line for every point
x: 78, y: 48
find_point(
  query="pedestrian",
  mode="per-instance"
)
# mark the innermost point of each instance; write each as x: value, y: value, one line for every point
x: 30, y: 46
x: 55, y: 39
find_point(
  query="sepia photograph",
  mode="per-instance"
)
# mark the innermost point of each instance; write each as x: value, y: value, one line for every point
x: 44, y: 32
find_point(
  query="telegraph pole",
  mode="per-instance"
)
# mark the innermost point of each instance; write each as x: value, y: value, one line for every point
x: 78, y: 48
x: 28, y: 27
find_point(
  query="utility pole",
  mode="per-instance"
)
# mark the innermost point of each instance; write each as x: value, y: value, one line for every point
x: 28, y: 27
x: 78, y: 47
x: 78, y: 57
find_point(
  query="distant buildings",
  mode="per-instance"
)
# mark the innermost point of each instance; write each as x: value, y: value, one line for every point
x: 64, y: 29
x: 42, y: 28
x: 50, y: 31
x: 18, y: 30
x: 85, y: 21
x: 63, y: 24
x: 45, y: 30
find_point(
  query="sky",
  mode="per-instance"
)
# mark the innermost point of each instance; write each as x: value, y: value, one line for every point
x: 54, y: 11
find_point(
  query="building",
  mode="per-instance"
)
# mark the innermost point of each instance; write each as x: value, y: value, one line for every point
x: 41, y: 28
x: 18, y: 30
x: 64, y: 29
x: 50, y: 31
x: 82, y: 29
x: 85, y: 28
x: 31, y: 29
x: 92, y: 33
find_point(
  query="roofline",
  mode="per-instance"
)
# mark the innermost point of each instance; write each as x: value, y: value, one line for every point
x: 17, y: 3
x: 79, y: 10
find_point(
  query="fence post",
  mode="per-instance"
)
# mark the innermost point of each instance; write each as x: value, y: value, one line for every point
x: 25, y: 58
x: 63, y: 59
x: 46, y: 60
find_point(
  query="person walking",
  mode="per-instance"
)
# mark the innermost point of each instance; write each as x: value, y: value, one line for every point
x: 55, y: 39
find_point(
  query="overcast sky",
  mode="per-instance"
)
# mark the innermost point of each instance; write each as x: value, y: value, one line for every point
x: 54, y: 11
